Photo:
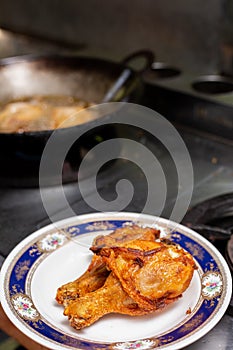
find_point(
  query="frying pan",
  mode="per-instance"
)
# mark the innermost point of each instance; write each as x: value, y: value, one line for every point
x: 89, y: 79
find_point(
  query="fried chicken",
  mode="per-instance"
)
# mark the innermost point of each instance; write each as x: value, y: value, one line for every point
x: 92, y: 279
x: 110, y: 298
x: 127, y: 276
x: 145, y: 277
x: 126, y: 234
x: 149, y: 271
x: 97, y: 271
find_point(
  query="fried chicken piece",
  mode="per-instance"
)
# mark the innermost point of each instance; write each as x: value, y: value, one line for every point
x: 110, y: 298
x: 92, y: 279
x: 126, y: 234
x: 96, y: 274
x: 146, y: 276
x: 66, y: 116
x: 23, y: 116
x: 150, y: 271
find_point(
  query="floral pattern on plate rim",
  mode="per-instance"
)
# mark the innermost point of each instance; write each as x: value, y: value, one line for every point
x: 212, y: 285
x: 24, y: 307
x: 51, y: 242
x: 139, y: 344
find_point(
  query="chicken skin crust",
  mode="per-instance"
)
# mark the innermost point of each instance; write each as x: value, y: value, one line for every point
x: 132, y: 272
x: 110, y: 298
x: 145, y: 277
x: 95, y: 275
x: 149, y: 271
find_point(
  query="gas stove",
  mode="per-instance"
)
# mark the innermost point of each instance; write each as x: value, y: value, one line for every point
x: 204, y: 121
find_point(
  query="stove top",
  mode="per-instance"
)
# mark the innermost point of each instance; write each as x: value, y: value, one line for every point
x: 213, y: 219
x: 211, y: 208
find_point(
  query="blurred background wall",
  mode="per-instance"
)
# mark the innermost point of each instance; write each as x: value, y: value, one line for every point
x: 194, y: 35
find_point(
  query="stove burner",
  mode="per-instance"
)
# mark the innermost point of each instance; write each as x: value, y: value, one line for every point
x: 213, y: 219
x: 229, y: 254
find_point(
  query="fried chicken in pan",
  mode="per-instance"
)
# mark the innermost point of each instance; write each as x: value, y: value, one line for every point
x: 95, y: 276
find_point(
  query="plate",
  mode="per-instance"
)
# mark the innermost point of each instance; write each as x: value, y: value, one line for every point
x: 59, y: 253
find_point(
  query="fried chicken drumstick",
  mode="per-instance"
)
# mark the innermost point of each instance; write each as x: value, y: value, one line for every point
x: 96, y: 274
x: 108, y: 299
x: 139, y: 276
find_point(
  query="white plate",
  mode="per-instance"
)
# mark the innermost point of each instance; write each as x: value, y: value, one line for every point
x: 51, y: 257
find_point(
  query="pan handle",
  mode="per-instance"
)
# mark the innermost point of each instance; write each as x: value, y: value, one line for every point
x: 147, y: 55
x: 126, y: 74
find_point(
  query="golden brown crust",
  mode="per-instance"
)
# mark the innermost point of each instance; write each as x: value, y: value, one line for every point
x: 126, y: 234
x: 149, y: 271
x: 92, y: 279
x: 110, y: 298
x: 127, y: 276
x: 97, y: 272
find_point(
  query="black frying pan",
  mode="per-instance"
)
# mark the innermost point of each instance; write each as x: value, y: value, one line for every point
x: 87, y: 78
